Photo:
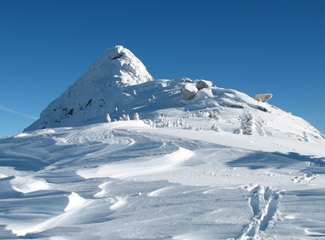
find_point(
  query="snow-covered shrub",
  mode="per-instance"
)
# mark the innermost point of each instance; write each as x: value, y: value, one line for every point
x: 204, y: 114
x: 187, y: 126
x: 108, y: 118
x: 190, y: 114
x: 125, y: 117
x: 214, y: 127
x: 164, y: 121
x: 213, y: 115
x: 179, y: 122
x: 150, y: 122
x: 136, y: 116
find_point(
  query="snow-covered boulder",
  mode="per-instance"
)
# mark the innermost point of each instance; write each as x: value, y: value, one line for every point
x: 200, y: 84
x: 189, y: 91
x: 263, y: 97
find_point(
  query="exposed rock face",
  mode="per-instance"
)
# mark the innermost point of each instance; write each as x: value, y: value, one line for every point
x: 200, y: 84
x: 263, y: 97
x: 189, y: 91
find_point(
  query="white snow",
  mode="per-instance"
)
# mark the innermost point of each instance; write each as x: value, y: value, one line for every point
x: 35, y: 225
x: 129, y: 169
x: 3, y: 175
x: 162, y: 181
x: 28, y: 184
x: 181, y: 172
x: 120, y: 202
x: 75, y: 202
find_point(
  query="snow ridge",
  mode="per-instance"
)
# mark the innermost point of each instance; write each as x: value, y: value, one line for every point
x: 118, y: 86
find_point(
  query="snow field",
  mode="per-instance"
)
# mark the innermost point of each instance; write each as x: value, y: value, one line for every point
x: 196, y: 162
x: 127, y: 180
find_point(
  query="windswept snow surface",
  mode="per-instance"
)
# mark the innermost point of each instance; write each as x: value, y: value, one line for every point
x: 129, y: 180
x: 219, y: 165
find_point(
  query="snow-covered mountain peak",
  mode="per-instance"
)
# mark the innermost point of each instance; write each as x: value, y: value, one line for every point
x: 89, y: 98
x: 119, y: 85
x: 117, y: 66
x: 167, y: 159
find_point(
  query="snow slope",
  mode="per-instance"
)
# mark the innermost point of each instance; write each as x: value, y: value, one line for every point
x: 89, y: 98
x: 119, y: 84
x: 127, y: 180
x: 220, y: 165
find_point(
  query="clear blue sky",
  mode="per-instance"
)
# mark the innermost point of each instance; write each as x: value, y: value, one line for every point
x: 251, y: 46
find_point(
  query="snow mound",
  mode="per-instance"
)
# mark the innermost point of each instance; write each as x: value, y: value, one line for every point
x: 130, y: 169
x: 28, y: 184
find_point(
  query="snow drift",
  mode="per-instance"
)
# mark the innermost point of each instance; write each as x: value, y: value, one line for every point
x: 126, y: 157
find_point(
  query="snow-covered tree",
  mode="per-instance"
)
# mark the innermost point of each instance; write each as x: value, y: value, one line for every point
x: 247, y: 122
